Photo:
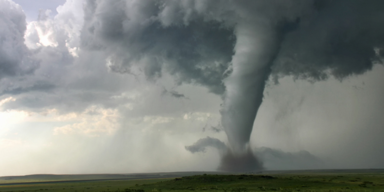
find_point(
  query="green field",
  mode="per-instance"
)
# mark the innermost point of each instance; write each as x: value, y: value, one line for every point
x: 305, y: 181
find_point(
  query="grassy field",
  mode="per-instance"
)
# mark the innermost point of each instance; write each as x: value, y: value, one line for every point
x: 321, y: 182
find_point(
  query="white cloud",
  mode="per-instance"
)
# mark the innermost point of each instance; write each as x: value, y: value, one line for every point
x: 61, y: 32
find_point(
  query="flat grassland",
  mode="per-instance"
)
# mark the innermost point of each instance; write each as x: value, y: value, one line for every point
x: 290, y: 181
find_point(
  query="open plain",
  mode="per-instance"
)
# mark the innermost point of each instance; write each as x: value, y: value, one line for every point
x: 321, y: 181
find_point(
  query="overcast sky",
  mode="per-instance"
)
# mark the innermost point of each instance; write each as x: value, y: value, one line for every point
x: 94, y: 86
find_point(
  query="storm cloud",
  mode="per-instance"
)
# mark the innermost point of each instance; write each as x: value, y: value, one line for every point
x: 195, y: 40
x: 338, y: 38
x: 162, y: 67
x: 235, y: 46
x: 145, y: 36
x: 15, y: 57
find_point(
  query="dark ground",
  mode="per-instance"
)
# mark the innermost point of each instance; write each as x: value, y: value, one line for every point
x: 310, y: 180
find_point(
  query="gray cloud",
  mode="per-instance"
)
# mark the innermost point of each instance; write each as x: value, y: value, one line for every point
x: 215, y: 129
x: 32, y: 9
x: 15, y: 58
x: 67, y: 88
x: 67, y: 79
x: 202, y: 144
x: 195, y: 41
x: 41, y: 87
x: 176, y: 94
x: 337, y: 38
x: 195, y: 52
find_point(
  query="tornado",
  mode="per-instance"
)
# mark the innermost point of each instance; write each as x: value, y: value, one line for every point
x: 254, y: 49
x: 232, y: 47
x: 255, y: 46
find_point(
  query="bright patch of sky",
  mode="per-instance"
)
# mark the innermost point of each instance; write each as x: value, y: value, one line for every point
x: 32, y: 8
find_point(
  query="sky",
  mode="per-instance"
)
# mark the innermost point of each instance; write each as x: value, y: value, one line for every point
x: 32, y: 8
x: 93, y: 86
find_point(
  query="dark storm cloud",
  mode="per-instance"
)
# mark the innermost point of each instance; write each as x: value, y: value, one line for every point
x: 39, y: 87
x: 195, y: 41
x: 15, y: 58
x: 337, y: 38
x: 197, y: 52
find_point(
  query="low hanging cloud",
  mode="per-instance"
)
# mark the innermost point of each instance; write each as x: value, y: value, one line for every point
x: 202, y: 144
x: 143, y: 33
